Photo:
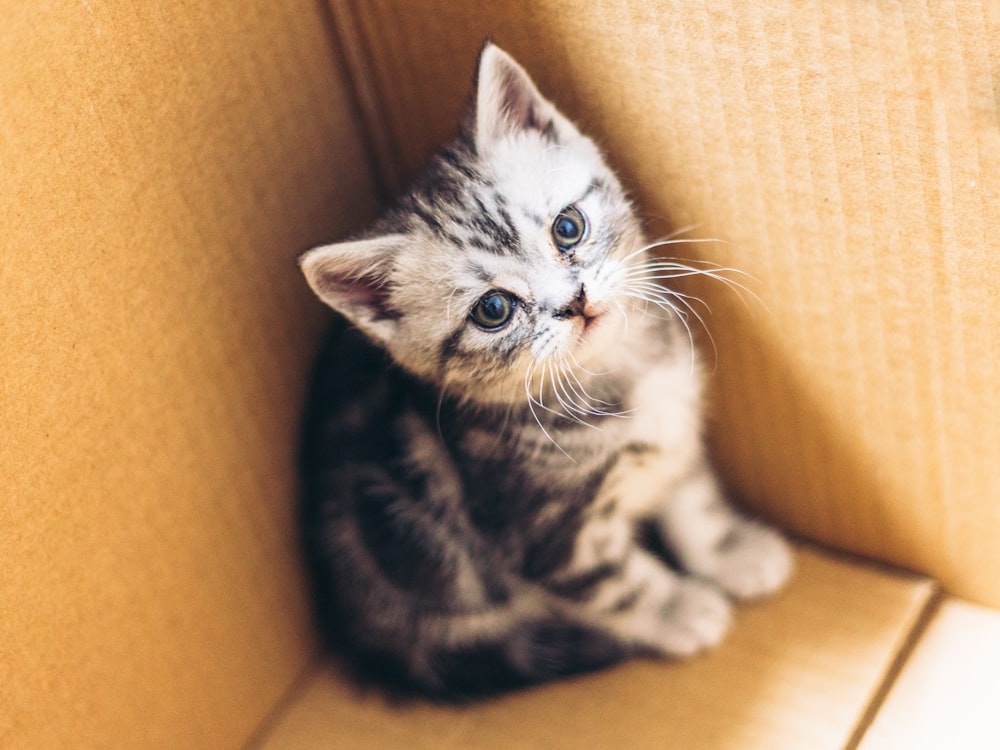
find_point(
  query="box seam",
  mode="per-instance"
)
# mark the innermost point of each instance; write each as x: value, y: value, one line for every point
x: 273, y: 717
x: 912, y: 638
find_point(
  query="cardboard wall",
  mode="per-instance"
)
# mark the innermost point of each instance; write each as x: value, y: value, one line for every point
x: 847, y: 154
x: 161, y: 167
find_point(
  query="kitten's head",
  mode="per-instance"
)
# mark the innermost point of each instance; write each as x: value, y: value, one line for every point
x: 509, y: 253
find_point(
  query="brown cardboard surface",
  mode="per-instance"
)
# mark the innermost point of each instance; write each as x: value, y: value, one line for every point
x: 947, y: 694
x: 162, y: 166
x: 796, y: 672
x: 848, y: 155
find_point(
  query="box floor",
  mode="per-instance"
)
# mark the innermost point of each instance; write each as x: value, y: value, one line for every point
x: 850, y: 656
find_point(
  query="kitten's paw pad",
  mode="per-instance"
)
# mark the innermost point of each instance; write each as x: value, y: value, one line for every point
x: 694, y: 619
x: 752, y: 562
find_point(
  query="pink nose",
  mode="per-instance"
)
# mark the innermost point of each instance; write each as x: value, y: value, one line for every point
x: 579, y: 307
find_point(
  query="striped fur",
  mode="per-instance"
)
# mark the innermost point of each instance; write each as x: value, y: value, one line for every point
x: 473, y: 492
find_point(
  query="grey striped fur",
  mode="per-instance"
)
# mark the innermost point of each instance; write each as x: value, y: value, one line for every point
x: 474, y: 494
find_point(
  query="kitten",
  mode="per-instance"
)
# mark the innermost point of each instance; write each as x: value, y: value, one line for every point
x: 515, y: 401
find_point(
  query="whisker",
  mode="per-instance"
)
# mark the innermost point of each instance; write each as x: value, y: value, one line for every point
x: 681, y: 230
x: 663, y: 270
x: 570, y: 408
x: 683, y: 269
x: 577, y: 365
x: 579, y: 400
x: 657, y: 289
x: 577, y: 386
x: 661, y: 299
x: 448, y: 305
x: 687, y: 300
x: 624, y: 312
x: 531, y: 407
x: 573, y: 362
x: 550, y: 371
x: 664, y: 242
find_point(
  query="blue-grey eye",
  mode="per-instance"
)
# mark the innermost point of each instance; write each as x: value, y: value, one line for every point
x: 493, y: 310
x: 569, y: 228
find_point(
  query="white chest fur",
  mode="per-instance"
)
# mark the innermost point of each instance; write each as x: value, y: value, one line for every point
x: 661, y: 440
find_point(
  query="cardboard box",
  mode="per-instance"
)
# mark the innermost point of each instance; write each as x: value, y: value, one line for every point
x: 162, y: 166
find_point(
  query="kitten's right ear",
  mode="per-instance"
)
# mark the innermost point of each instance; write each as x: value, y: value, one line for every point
x: 507, y: 102
x: 353, y: 279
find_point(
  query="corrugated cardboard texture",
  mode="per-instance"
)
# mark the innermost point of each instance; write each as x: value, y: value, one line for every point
x: 796, y: 674
x: 162, y: 166
x: 848, y: 155
x: 947, y: 695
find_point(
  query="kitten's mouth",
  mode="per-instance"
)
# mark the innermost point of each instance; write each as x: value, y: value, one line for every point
x: 591, y: 317
x: 583, y: 310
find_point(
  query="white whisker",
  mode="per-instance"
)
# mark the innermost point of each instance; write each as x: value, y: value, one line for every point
x: 577, y: 365
x: 659, y: 270
x: 624, y: 312
x: 570, y: 408
x: 531, y: 406
x: 578, y: 388
x: 585, y: 403
x: 669, y: 241
x: 661, y: 297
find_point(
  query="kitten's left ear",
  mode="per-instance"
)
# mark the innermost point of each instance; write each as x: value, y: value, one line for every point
x: 508, y: 102
x: 353, y: 278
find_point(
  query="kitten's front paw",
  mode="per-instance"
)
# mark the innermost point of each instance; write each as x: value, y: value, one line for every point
x: 695, y: 618
x: 752, y: 562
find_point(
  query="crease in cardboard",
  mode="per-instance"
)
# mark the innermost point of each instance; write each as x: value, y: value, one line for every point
x: 909, y: 642
x: 347, y: 36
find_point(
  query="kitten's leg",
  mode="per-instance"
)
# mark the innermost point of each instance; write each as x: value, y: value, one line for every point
x: 711, y: 539
x: 621, y: 588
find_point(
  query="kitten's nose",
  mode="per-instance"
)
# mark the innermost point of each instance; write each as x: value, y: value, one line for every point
x: 575, y: 309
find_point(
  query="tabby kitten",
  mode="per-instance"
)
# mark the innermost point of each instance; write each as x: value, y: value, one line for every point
x: 516, y: 400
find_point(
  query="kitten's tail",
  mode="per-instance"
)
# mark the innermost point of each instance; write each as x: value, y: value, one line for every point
x: 535, y: 652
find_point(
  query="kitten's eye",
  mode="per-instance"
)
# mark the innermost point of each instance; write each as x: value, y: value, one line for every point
x: 569, y: 228
x: 493, y: 311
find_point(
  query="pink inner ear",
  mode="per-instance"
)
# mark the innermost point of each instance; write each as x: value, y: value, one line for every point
x: 357, y: 291
x: 368, y: 293
x: 519, y: 103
